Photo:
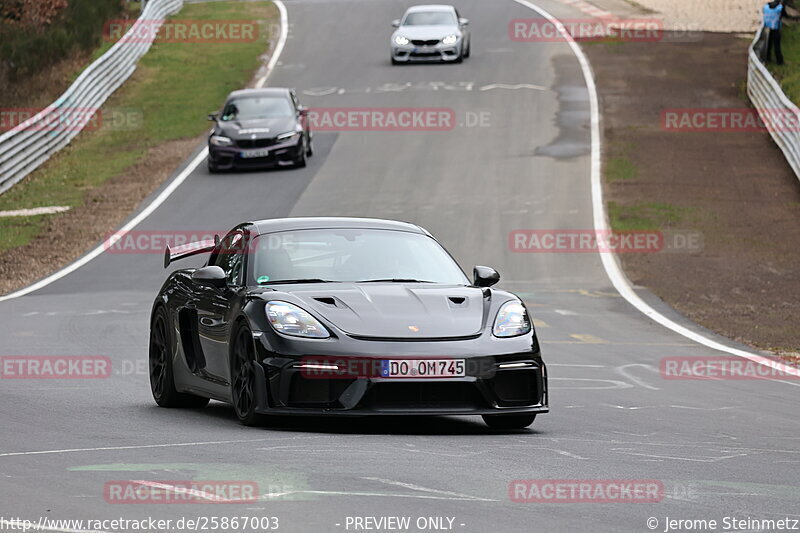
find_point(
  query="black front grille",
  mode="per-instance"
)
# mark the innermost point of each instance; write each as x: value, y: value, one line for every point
x: 315, y: 392
x: 516, y: 387
x: 257, y: 143
x: 431, y: 42
x: 458, y: 395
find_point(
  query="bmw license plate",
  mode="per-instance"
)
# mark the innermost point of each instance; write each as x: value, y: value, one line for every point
x: 250, y: 154
x: 422, y: 368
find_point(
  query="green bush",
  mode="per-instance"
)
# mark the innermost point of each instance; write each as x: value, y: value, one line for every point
x: 27, y: 49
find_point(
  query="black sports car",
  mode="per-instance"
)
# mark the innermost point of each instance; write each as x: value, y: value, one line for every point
x: 342, y: 316
x: 259, y: 128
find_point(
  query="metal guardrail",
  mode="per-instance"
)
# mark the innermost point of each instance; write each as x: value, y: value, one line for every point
x: 773, y: 106
x: 25, y: 147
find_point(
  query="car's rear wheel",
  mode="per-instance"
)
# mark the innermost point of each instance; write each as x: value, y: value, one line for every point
x: 243, y: 384
x: 509, y: 421
x: 162, y: 378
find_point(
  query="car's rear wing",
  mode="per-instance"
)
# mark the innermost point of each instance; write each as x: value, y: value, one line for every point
x: 188, y: 250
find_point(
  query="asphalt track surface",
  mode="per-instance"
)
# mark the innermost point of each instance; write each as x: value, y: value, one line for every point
x: 721, y: 448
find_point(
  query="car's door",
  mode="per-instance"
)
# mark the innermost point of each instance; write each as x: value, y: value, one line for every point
x: 215, y: 305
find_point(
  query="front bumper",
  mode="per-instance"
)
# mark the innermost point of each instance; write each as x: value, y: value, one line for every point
x: 232, y: 157
x: 440, y: 52
x: 500, y: 384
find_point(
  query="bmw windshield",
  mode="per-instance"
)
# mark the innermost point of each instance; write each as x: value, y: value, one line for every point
x: 255, y: 108
x: 430, y: 18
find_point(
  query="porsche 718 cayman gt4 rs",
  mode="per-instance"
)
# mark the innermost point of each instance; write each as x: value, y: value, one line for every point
x: 342, y: 316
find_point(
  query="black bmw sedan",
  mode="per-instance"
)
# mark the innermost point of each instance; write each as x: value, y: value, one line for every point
x: 259, y: 128
x: 342, y: 316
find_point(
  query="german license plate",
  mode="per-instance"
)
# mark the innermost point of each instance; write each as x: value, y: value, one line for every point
x: 250, y: 154
x: 422, y: 368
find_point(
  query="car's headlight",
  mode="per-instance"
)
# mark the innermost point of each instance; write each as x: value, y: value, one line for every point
x: 220, y: 140
x: 289, y: 319
x: 512, y: 320
x: 450, y: 39
x: 288, y: 135
x: 401, y: 40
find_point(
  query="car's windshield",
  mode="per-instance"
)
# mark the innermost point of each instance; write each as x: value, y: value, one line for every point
x: 257, y: 107
x: 352, y: 255
x: 430, y: 18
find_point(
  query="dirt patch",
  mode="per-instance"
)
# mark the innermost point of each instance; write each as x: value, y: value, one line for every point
x: 734, y: 188
x: 68, y: 236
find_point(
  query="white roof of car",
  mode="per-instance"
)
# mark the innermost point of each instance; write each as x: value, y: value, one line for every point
x: 430, y: 7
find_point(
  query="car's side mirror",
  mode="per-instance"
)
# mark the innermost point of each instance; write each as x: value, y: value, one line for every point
x: 485, y: 276
x: 213, y: 117
x: 210, y: 276
x: 463, y: 21
x: 396, y: 23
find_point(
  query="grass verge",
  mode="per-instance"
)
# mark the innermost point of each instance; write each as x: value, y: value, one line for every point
x: 167, y: 99
x: 649, y: 216
x: 788, y: 74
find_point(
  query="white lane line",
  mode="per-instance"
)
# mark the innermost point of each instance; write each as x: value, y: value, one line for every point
x: 161, y: 198
x: 132, y: 447
x: 512, y: 87
x: 377, y: 494
x: 411, y: 486
x: 614, y: 384
x: 582, y: 366
x: 623, y: 371
x: 278, y: 47
x: 609, y: 260
x: 53, y: 209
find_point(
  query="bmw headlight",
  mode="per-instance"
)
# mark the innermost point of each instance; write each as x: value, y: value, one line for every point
x: 289, y: 319
x: 402, y: 41
x: 512, y: 320
x: 288, y: 135
x: 450, y: 39
x: 220, y: 140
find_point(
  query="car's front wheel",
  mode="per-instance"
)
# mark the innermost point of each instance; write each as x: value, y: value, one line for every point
x: 509, y: 421
x: 162, y: 378
x: 243, y: 383
x: 300, y: 162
